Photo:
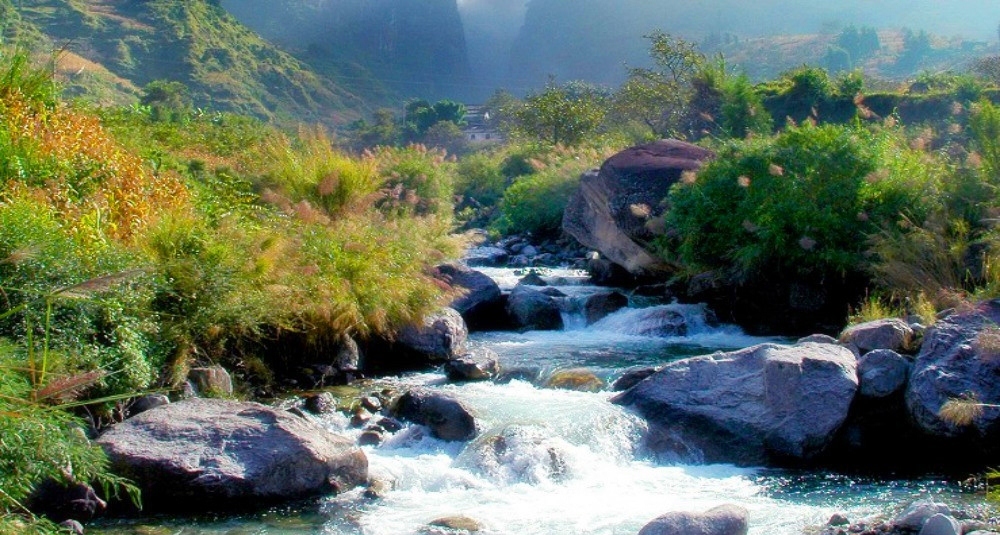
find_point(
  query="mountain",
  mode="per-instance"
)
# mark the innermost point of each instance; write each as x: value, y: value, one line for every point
x: 413, y: 48
x: 114, y: 47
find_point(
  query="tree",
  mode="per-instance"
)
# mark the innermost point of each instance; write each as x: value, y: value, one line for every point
x: 659, y: 97
x: 421, y: 115
x: 383, y: 130
x: 561, y: 114
x: 167, y: 99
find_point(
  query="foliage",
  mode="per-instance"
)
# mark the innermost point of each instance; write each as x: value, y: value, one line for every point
x: 742, y: 110
x: 535, y: 202
x: 659, y: 97
x: 859, y: 43
x: 422, y: 115
x: 415, y: 180
x: 565, y: 114
x: 801, y: 203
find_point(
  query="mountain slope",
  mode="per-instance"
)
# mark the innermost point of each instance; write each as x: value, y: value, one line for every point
x: 225, y: 65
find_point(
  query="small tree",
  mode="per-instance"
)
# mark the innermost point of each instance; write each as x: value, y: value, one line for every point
x: 167, y: 99
x: 561, y: 114
x: 659, y: 97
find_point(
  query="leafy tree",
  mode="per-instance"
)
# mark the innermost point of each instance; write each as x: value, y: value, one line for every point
x: 448, y: 136
x: 421, y: 115
x: 561, y: 114
x: 859, y: 43
x: 916, y: 47
x: 168, y: 100
x: 383, y: 130
x: 742, y: 111
x: 659, y: 97
x: 501, y: 107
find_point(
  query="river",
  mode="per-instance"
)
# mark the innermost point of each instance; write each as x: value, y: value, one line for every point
x: 565, y: 462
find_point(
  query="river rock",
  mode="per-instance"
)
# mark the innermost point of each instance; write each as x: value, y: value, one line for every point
x: 486, y: 256
x: 918, y: 513
x: 479, y: 364
x: 147, y: 402
x: 452, y: 525
x: 881, y: 373
x: 601, y: 305
x: 519, y: 454
x: 940, y: 524
x: 632, y: 377
x: 721, y: 520
x: 767, y: 403
x: 578, y: 379
x: 954, y: 362
x: 211, y: 381
x: 892, y: 333
x: 481, y: 298
x: 59, y: 501
x: 211, y: 454
x: 447, y: 418
x: 611, y: 210
x: 532, y: 310
x: 440, y: 337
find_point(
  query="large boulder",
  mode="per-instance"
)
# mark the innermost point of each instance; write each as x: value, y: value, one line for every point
x: 960, y: 357
x: 891, y: 333
x: 533, y: 310
x: 721, y: 520
x: 212, y: 454
x: 763, y: 404
x: 601, y: 305
x: 479, y: 364
x: 882, y: 372
x: 446, y: 417
x: 613, y: 210
x: 438, y: 338
x: 480, y: 301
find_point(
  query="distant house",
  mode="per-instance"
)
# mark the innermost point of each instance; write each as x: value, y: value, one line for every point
x: 478, y: 129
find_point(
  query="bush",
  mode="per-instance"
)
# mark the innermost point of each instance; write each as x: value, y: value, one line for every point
x: 802, y: 203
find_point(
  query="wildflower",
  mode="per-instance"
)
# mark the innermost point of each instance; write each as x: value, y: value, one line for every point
x: 807, y: 243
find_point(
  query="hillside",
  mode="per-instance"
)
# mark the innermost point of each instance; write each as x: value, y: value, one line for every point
x: 111, y: 48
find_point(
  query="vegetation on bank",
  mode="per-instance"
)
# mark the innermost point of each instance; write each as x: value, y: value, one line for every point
x: 135, y: 244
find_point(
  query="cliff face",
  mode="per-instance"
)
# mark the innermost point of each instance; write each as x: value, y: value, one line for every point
x: 411, y: 47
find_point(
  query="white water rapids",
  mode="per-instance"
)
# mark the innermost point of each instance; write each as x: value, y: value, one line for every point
x: 558, y: 462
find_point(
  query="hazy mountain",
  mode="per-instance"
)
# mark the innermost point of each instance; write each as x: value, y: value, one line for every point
x: 412, y: 47
x: 115, y: 47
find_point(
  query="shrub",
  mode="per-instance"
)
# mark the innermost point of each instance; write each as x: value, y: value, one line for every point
x: 415, y: 180
x: 802, y: 203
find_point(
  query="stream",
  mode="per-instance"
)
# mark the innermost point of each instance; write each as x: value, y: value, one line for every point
x: 571, y: 462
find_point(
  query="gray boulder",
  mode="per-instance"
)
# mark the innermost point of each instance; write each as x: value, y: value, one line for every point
x: 211, y: 454
x: 882, y: 372
x: 211, y: 381
x: 486, y: 256
x: 892, y: 333
x: 440, y: 337
x: 478, y: 291
x: 479, y: 364
x: 941, y: 524
x: 760, y: 404
x: 722, y: 520
x: 918, y: 513
x: 445, y: 416
x: 958, y: 358
x: 615, y: 209
x: 601, y: 305
x: 533, y: 310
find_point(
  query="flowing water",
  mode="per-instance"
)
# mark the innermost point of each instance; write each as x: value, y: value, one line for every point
x: 554, y: 462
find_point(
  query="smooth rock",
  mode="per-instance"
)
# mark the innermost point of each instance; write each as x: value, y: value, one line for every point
x: 478, y: 291
x: 440, y: 337
x: 447, y: 418
x: 941, y: 524
x: 211, y: 381
x: 578, y: 379
x: 212, y: 454
x: 147, y: 402
x: 892, y: 333
x: 601, y: 305
x: 955, y: 360
x: 722, y: 520
x: 881, y: 373
x: 918, y: 513
x: 322, y: 403
x: 632, y: 377
x: 486, y: 256
x: 757, y: 405
x: 611, y: 209
x: 533, y: 310
x: 479, y: 364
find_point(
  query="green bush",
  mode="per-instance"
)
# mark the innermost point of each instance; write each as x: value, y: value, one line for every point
x: 802, y: 203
